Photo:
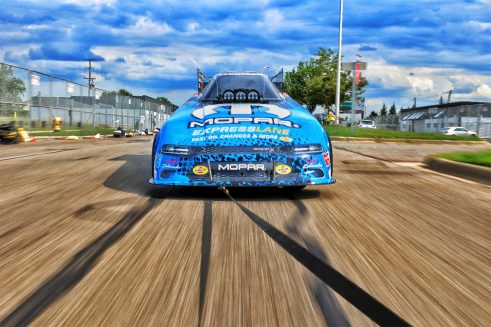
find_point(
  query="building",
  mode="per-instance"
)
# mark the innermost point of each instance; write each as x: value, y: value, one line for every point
x: 132, y: 112
x: 475, y: 116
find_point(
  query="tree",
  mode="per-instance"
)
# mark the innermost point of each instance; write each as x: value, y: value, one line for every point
x: 164, y: 100
x: 11, y: 90
x: 441, y: 100
x: 383, y: 111
x: 313, y: 82
x: 170, y: 107
x: 107, y: 93
x: 125, y: 92
x: 392, y: 110
x: 373, y: 114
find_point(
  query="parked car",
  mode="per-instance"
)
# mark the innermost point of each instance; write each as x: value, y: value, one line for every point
x: 8, y: 134
x: 458, y: 131
x: 367, y: 124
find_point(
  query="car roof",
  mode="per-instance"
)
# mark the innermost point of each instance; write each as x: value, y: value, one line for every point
x: 241, y: 73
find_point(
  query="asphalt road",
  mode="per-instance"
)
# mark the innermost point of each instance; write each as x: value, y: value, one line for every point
x: 84, y: 240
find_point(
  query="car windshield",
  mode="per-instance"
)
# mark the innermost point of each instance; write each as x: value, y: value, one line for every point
x: 240, y: 88
x: 445, y: 129
x: 367, y: 122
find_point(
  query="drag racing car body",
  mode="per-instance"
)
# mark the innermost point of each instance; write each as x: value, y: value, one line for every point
x: 241, y: 131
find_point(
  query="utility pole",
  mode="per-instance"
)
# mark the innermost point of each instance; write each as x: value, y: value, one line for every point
x: 353, y: 101
x: 338, y: 76
x: 90, y: 80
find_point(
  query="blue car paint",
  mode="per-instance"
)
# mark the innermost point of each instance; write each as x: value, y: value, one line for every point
x: 255, y: 135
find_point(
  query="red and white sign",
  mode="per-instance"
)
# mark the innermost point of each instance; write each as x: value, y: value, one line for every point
x: 357, y: 73
x: 35, y: 80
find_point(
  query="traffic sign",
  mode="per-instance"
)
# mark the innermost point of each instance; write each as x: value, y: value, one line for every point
x: 346, y: 105
x: 355, y: 65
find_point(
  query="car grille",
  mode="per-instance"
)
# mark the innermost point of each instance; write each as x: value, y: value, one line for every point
x: 237, y: 177
x: 238, y: 149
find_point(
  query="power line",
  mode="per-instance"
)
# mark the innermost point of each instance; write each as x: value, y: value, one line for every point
x: 41, y: 73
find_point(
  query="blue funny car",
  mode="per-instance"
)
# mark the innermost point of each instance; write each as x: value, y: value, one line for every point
x: 241, y: 131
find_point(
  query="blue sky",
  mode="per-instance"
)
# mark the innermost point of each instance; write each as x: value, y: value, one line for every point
x: 418, y: 48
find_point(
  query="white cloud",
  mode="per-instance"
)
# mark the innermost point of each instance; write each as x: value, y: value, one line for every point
x: 272, y: 19
x: 275, y: 20
x: 82, y: 3
x: 481, y: 93
x: 144, y: 27
x: 192, y: 27
x: 88, y: 3
x: 427, y: 84
x: 178, y: 97
x: 180, y: 61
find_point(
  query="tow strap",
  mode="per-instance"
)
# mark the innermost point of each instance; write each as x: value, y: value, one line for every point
x: 363, y: 301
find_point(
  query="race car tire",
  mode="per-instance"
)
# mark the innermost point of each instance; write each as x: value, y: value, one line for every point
x: 153, y: 158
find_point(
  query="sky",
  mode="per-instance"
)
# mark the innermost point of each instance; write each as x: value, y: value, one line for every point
x: 417, y: 48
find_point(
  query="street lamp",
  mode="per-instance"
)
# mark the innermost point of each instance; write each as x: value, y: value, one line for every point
x: 338, y: 77
x: 269, y: 67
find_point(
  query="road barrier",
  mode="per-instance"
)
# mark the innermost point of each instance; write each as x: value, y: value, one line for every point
x: 476, y: 173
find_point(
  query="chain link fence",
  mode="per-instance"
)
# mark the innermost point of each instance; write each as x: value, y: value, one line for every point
x: 32, y: 99
x: 475, y: 117
x: 390, y: 122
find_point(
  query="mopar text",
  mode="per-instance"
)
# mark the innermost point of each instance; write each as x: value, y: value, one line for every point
x: 241, y: 166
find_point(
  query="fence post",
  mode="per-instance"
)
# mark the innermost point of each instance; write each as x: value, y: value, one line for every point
x: 29, y: 92
x: 479, y: 117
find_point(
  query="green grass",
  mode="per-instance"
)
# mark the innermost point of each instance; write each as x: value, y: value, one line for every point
x: 383, y: 133
x: 481, y: 158
x: 75, y: 131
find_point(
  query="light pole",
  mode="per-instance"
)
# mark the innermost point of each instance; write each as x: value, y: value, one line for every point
x: 269, y: 67
x: 338, y: 77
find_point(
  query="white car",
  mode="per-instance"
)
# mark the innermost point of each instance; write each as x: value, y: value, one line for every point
x: 367, y: 124
x: 457, y: 131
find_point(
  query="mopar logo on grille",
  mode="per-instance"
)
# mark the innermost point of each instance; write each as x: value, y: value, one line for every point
x: 241, y: 166
x: 240, y: 113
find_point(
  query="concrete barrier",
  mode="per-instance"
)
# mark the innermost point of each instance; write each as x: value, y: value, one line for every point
x: 475, y: 173
x: 412, y: 141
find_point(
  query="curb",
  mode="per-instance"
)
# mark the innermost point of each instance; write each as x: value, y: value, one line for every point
x: 475, y: 173
x: 411, y: 141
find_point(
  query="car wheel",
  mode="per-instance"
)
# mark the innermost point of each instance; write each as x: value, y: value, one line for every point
x: 153, y: 158
x: 473, y: 135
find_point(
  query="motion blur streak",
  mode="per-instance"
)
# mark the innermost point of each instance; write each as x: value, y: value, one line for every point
x: 75, y: 270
